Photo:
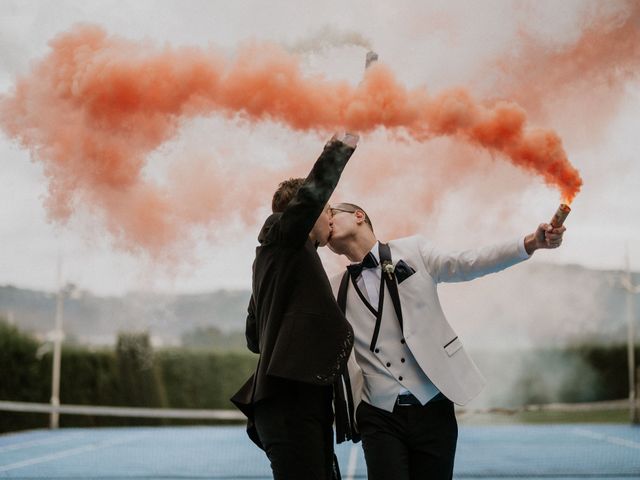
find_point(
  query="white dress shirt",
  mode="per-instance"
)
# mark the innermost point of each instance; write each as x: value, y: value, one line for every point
x: 369, y: 281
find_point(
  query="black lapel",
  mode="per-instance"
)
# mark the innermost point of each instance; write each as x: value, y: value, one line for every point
x: 390, y: 280
x: 342, y: 301
x: 378, y: 314
x: 342, y: 292
x: 343, y: 400
x: 362, y: 297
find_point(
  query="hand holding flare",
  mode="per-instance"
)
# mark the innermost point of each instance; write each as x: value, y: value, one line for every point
x: 548, y: 235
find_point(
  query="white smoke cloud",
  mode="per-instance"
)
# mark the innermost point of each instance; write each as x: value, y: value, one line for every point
x: 329, y: 37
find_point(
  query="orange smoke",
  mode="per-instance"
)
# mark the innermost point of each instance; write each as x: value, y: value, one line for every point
x: 97, y: 106
x: 584, y: 77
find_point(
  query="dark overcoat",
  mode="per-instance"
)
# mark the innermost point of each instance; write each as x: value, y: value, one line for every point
x: 293, y: 320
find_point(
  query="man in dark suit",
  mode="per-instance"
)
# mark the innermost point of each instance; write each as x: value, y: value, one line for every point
x: 296, y: 326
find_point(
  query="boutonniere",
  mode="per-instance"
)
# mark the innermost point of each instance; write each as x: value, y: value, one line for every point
x: 388, y: 267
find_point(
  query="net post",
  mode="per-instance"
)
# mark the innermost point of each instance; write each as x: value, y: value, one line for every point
x: 631, y: 359
x: 635, y: 414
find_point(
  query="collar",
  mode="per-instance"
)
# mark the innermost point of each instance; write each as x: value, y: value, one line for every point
x: 375, y: 251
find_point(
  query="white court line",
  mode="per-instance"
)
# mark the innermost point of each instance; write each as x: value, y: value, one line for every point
x: 353, y: 462
x: 38, y: 442
x: 607, y: 438
x: 66, y: 453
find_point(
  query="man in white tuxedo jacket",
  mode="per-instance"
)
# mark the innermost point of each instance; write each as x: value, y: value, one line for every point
x: 408, y: 365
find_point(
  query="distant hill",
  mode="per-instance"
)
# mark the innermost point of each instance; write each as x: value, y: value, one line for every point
x: 531, y: 304
x: 536, y: 304
x: 97, y: 320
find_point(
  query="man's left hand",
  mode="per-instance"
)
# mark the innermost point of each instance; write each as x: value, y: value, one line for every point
x: 544, y: 237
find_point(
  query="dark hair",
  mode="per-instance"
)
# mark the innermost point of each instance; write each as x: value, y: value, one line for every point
x: 352, y: 208
x: 285, y: 193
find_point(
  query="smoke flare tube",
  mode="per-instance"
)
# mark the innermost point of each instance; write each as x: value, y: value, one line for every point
x: 560, y: 216
x: 372, y: 57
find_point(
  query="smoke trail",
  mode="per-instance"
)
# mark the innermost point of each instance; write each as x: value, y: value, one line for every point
x: 95, y: 108
x: 330, y: 37
x: 586, y: 74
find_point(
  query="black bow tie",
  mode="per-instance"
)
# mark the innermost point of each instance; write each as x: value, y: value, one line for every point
x: 369, y: 261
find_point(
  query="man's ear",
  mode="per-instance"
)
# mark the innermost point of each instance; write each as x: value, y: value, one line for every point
x: 359, y: 216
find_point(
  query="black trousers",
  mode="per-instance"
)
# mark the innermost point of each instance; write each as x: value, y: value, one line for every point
x: 411, y: 443
x: 295, y: 428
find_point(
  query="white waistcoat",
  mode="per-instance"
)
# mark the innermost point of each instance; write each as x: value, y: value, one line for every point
x: 391, y: 366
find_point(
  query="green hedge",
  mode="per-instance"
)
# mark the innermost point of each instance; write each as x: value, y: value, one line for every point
x: 133, y: 374
x: 582, y: 373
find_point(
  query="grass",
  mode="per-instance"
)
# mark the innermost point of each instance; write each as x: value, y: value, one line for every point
x: 543, y: 417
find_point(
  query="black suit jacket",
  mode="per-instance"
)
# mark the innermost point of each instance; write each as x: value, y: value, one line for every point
x: 293, y: 320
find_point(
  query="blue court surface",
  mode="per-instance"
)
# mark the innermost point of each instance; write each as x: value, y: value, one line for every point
x: 489, y: 452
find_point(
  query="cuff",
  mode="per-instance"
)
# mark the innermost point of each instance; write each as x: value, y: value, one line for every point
x: 522, y: 252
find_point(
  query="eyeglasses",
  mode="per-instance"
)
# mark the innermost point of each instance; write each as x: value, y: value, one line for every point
x: 334, y: 211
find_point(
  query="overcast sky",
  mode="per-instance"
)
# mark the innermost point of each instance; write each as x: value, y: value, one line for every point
x: 436, y: 44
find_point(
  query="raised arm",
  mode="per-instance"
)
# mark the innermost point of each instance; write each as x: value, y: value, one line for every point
x: 469, y: 264
x: 460, y: 266
x: 302, y: 212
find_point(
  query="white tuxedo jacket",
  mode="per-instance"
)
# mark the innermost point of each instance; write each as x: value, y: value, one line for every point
x: 433, y: 344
